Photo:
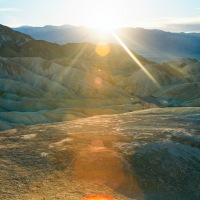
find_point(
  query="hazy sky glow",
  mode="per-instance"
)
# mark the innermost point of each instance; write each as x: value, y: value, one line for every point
x: 99, y: 13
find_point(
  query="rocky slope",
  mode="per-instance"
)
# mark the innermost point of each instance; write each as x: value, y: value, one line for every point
x: 151, y: 154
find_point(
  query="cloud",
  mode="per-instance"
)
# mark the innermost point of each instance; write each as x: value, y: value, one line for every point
x: 174, y: 20
x: 10, y: 10
x: 182, y: 27
x: 179, y: 24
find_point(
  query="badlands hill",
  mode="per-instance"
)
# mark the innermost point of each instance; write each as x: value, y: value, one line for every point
x: 153, y: 44
x: 42, y: 82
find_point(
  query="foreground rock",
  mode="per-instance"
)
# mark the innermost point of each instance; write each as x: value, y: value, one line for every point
x: 151, y: 154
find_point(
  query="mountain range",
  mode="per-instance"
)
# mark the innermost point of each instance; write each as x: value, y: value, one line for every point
x: 156, y: 45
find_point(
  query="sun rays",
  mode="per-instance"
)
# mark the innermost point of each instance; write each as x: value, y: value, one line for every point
x: 102, y: 50
x: 78, y: 55
x: 135, y: 59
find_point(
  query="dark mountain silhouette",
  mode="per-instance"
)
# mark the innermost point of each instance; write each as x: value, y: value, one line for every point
x: 154, y: 44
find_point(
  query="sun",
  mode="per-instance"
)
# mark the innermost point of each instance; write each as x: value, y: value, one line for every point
x: 103, y: 14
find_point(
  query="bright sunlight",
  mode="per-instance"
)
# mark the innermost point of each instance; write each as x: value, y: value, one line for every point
x: 103, y: 14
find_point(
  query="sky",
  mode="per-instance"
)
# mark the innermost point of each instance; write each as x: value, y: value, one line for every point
x: 163, y: 14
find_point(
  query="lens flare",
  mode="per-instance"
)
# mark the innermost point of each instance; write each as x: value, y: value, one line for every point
x: 102, y: 49
x: 98, y: 81
x: 97, y: 197
x: 135, y: 59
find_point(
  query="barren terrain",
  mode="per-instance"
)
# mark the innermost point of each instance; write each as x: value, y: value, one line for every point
x: 150, y: 154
